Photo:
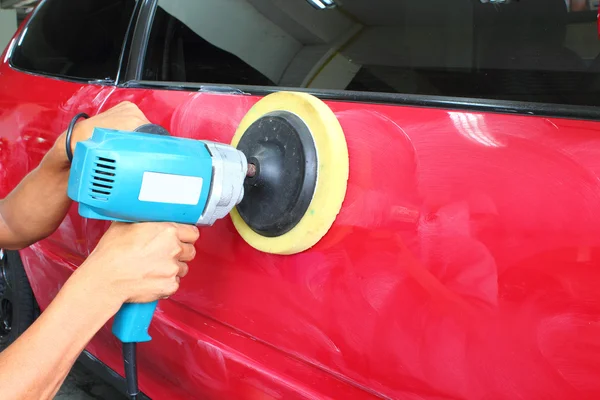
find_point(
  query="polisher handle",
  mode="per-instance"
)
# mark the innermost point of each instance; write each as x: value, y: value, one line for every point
x: 132, y: 322
x: 133, y: 319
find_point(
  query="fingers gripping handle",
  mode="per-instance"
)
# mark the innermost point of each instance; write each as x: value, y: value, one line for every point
x: 132, y: 322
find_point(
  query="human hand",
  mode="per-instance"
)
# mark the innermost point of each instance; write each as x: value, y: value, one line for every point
x: 124, y: 116
x: 140, y: 262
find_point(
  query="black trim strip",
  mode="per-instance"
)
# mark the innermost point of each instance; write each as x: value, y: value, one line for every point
x: 455, y: 103
x: 139, y: 43
x: 125, y: 49
x: 101, y: 370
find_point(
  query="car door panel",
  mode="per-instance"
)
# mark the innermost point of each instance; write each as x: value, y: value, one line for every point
x: 457, y: 228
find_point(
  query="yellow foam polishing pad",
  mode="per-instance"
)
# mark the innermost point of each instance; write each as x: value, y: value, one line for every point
x: 332, y: 172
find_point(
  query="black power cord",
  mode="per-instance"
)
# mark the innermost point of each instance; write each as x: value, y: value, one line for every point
x: 130, y: 364
x: 70, y: 134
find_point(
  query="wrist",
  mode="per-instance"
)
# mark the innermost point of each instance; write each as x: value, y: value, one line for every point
x: 94, y: 289
x: 56, y: 159
x: 58, y: 155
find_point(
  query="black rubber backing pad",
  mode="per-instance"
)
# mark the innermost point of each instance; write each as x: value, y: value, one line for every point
x: 281, y: 147
x: 153, y: 129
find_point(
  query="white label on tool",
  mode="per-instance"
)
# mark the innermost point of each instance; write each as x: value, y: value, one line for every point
x: 169, y: 188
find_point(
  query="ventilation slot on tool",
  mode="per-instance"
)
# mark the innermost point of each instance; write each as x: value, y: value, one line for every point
x: 103, y: 178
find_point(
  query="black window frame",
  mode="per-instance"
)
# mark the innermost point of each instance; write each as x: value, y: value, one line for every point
x: 124, y: 55
x: 135, y: 46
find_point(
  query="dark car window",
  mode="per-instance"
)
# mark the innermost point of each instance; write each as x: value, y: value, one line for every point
x: 75, y: 38
x: 528, y: 50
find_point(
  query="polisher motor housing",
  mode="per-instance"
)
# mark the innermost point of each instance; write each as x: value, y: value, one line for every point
x: 133, y: 176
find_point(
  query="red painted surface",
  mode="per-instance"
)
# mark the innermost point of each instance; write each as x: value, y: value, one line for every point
x: 465, y: 262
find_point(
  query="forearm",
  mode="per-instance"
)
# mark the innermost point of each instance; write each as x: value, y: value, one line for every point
x: 37, y: 363
x: 37, y: 206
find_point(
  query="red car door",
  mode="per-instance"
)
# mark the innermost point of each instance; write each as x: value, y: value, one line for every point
x: 464, y: 262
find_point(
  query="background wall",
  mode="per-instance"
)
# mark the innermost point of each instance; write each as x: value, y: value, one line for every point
x: 8, y: 26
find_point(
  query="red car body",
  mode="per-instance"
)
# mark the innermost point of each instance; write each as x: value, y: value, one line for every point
x: 465, y: 262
